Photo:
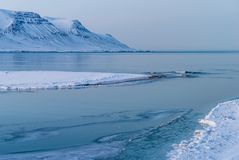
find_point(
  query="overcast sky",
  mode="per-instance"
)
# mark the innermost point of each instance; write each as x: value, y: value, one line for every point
x: 150, y: 24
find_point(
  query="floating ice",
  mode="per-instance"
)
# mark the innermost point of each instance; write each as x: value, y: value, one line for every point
x: 36, y: 80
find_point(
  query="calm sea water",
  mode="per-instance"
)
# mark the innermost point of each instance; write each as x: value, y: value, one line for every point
x: 139, y: 121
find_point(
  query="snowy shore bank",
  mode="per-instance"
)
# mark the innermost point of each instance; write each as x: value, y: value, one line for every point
x: 219, y: 138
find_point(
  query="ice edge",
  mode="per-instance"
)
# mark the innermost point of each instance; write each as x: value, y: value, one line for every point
x: 219, y: 138
x: 42, y: 80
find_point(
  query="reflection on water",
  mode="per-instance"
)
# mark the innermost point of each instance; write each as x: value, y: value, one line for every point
x: 112, y: 122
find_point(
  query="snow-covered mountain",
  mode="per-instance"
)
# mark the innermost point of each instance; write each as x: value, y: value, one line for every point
x: 28, y: 31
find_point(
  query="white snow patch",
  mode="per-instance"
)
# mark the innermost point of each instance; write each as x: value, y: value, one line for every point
x: 218, y: 140
x: 207, y: 122
x: 35, y: 80
x: 5, y: 19
x: 61, y: 23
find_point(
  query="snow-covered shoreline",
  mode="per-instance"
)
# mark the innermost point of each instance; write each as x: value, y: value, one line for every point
x: 219, y: 138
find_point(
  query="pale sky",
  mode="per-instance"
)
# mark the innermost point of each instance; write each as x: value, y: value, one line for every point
x: 150, y: 24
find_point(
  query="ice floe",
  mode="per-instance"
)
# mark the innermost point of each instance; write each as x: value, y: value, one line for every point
x: 36, y: 80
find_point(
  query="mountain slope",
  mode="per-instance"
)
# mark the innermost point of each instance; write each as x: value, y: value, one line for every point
x: 28, y: 31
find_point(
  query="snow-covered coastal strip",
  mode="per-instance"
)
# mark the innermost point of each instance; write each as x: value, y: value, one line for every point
x: 219, y: 138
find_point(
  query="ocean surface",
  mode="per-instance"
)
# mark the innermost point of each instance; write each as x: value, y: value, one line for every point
x: 140, y: 121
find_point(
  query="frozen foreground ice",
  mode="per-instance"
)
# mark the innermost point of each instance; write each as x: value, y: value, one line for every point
x: 219, y: 138
x: 37, y: 80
